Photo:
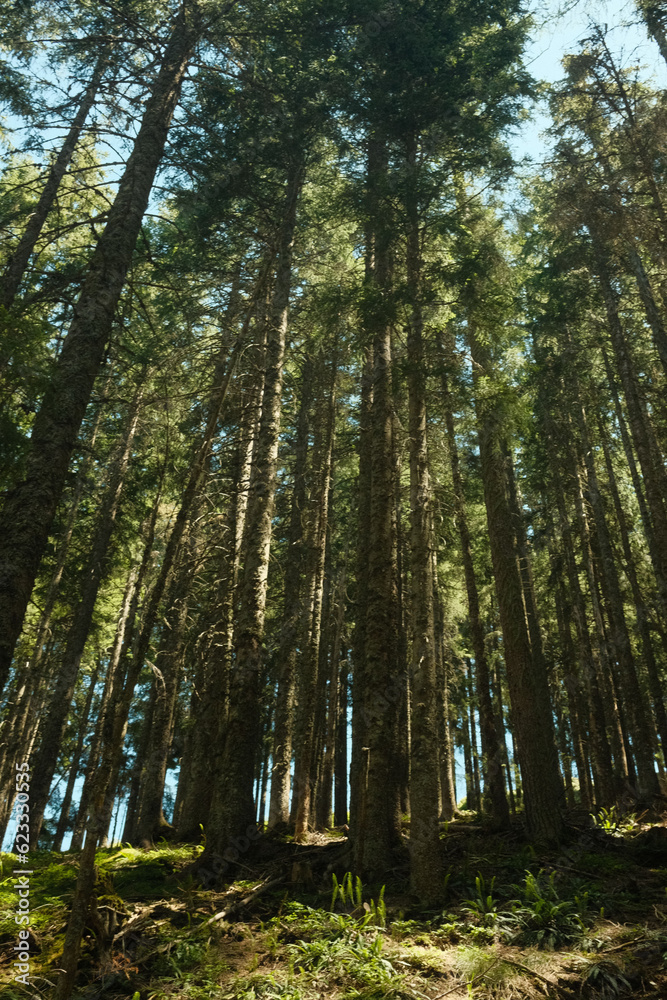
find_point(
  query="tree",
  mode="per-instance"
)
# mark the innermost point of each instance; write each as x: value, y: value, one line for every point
x: 30, y: 507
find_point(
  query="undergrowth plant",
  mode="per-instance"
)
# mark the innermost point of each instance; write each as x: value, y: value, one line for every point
x: 349, y: 893
x: 613, y: 822
x: 484, y: 907
x: 543, y: 919
x: 352, y: 955
x: 261, y: 988
x: 605, y: 979
x: 606, y: 819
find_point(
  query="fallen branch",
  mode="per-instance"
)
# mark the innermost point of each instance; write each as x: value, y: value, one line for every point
x: 624, y: 944
x: 216, y: 918
x: 531, y: 972
x: 242, y: 903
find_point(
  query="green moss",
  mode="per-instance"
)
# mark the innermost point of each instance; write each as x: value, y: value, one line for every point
x: 51, y: 886
x: 142, y: 875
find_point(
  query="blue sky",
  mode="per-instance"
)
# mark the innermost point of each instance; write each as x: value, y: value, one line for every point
x: 559, y: 25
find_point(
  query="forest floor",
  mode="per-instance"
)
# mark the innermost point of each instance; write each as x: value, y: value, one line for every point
x: 588, y: 921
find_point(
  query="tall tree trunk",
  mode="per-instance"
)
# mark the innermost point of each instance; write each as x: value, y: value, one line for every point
x: 263, y: 784
x: 591, y: 667
x: 379, y: 820
x: 308, y: 673
x: 572, y: 682
x: 531, y: 710
x: 377, y: 831
x: 16, y: 730
x: 631, y: 691
x: 655, y: 684
x: 64, y: 818
x: 640, y: 429
x: 501, y: 727
x: 525, y: 565
x: 403, y: 616
x: 637, y: 484
x: 563, y: 747
x: 425, y: 860
x: 56, y: 720
x: 233, y: 809
x: 602, y: 661
x: 319, y: 728
x: 22, y: 726
x: 210, y: 699
x: 359, y: 721
x: 151, y: 822
x: 446, y: 751
x: 279, y: 806
x: 495, y: 799
x: 473, y: 733
x: 340, y: 772
x: 464, y: 743
x: 127, y: 613
x: 30, y: 507
x: 136, y: 770
x: 333, y: 713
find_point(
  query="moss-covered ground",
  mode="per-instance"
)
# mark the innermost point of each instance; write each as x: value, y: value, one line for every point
x: 587, y: 921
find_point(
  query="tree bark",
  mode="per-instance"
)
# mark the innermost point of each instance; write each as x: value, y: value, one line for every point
x: 210, y: 698
x: 495, y: 799
x: 380, y: 829
x: 357, y: 766
x: 308, y: 673
x: 17, y: 731
x: 64, y: 818
x: 151, y: 822
x: 333, y: 707
x: 279, y: 805
x: 632, y: 695
x: 425, y: 860
x: 572, y: 683
x: 643, y: 624
x: 637, y: 484
x: 591, y: 667
x: 56, y: 719
x: 531, y: 710
x: 377, y: 831
x: 640, y: 428
x: 601, y: 661
x: 127, y: 614
x: 448, y: 808
x: 470, y: 703
x: 340, y: 772
x: 233, y: 808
